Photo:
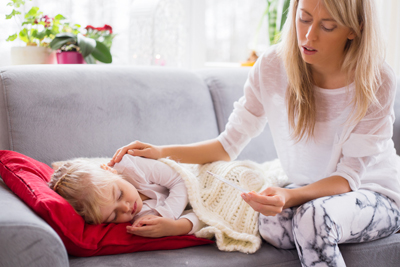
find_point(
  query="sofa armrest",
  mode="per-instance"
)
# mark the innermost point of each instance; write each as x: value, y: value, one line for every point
x: 25, y: 239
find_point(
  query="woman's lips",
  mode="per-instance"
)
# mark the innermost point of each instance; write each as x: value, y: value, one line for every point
x: 309, y: 50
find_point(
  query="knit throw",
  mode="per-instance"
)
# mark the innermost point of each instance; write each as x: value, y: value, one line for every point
x: 229, y: 219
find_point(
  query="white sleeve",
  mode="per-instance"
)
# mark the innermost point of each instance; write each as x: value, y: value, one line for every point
x: 163, y: 175
x: 247, y: 119
x: 191, y: 216
x: 142, y: 171
x: 370, y: 142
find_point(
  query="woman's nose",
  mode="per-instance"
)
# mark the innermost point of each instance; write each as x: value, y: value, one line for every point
x: 312, y: 32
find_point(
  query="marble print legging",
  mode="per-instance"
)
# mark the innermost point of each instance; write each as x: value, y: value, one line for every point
x: 317, y: 227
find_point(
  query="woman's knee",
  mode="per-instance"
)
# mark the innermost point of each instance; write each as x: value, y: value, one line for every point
x: 315, y: 219
x: 277, y: 230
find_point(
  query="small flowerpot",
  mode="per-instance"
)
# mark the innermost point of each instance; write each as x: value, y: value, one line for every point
x: 32, y: 55
x: 70, y: 57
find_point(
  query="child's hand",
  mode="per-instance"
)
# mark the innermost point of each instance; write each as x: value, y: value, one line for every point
x: 153, y: 226
x: 139, y: 222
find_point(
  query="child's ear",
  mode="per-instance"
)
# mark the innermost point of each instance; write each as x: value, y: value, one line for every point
x: 108, y: 168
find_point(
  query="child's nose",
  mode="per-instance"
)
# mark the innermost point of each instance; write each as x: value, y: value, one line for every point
x: 126, y: 207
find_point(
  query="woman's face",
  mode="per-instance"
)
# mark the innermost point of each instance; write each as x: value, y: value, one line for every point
x: 320, y: 38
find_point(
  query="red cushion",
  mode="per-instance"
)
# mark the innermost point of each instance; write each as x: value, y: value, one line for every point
x: 28, y: 178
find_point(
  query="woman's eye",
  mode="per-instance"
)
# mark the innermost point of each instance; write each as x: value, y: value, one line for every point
x: 303, y: 20
x: 327, y: 29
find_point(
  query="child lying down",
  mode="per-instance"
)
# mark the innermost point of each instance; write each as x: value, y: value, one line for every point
x: 152, y: 195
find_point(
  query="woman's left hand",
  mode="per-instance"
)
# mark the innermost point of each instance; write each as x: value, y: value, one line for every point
x: 269, y: 202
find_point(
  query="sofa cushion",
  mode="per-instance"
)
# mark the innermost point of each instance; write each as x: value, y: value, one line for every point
x: 28, y: 178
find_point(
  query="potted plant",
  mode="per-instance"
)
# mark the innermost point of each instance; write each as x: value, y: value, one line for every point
x: 36, y: 31
x: 77, y: 49
x: 276, y: 14
x: 103, y: 34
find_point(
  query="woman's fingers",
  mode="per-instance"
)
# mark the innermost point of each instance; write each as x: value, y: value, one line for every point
x: 136, y: 145
x: 272, y: 200
x: 265, y: 202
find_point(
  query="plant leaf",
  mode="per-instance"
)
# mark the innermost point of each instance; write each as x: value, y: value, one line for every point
x: 32, y: 12
x: 86, y: 45
x: 12, y: 37
x: 102, y: 53
x: 65, y: 34
x: 12, y: 14
x: 59, y: 17
x: 58, y: 42
x: 90, y: 59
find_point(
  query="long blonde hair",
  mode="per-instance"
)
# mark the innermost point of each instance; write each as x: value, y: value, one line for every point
x: 363, y: 59
x: 81, y: 183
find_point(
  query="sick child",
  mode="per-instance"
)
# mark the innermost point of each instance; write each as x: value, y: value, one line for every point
x: 147, y: 193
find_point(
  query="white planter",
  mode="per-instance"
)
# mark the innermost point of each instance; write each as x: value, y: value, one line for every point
x: 32, y: 55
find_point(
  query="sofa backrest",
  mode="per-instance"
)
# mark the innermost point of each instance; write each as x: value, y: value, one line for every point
x: 226, y: 87
x: 57, y: 112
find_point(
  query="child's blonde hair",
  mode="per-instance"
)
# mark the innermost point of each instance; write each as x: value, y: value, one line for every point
x: 82, y: 184
x: 364, y: 56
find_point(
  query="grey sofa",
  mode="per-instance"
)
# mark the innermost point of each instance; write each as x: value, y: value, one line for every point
x: 58, y: 112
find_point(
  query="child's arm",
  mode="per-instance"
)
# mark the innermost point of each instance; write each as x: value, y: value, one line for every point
x: 160, y: 226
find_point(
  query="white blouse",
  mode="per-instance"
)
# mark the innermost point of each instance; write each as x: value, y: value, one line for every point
x: 362, y: 153
x: 163, y: 185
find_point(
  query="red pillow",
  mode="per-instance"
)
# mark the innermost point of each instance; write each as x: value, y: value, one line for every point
x: 28, y: 178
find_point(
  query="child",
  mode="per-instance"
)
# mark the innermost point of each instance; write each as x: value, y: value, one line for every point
x: 147, y: 193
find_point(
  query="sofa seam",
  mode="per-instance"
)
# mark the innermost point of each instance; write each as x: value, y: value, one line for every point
x: 213, y: 82
x: 6, y: 106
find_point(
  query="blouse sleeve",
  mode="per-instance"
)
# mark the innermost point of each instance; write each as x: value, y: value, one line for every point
x: 163, y: 175
x: 248, y: 117
x: 191, y: 216
x: 149, y: 171
x: 370, y: 142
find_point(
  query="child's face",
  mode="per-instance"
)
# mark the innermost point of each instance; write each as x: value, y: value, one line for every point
x: 125, y: 202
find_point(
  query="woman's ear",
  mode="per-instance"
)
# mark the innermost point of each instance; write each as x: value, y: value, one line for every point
x: 351, y: 35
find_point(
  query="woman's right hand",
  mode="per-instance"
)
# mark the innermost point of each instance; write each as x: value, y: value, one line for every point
x: 136, y: 148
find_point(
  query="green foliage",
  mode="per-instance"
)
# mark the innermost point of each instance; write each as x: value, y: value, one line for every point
x: 36, y: 29
x: 90, y: 49
x: 41, y: 30
x: 273, y: 13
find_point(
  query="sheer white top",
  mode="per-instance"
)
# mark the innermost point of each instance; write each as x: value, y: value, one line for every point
x: 362, y: 153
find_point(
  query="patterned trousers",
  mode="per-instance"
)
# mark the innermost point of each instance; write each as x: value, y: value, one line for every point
x: 317, y: 227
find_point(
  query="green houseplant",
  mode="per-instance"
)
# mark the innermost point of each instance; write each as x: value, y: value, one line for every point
x: 276, y: 15
x: 90, y: 49
x: 36, y: 31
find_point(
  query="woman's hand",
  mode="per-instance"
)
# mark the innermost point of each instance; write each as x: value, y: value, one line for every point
x: 136, y: 148
x: 159, y: 226
x: 269, y: 202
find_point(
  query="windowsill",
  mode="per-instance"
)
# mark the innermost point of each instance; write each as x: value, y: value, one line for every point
x: 222, y: 64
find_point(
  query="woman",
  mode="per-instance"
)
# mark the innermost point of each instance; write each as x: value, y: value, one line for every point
x: 328, y: 98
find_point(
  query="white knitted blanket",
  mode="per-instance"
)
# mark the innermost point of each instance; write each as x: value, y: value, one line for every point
x: 229, y: 219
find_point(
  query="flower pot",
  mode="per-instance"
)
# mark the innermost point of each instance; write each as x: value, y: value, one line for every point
x: 32, y: 55
x: 70, y: 57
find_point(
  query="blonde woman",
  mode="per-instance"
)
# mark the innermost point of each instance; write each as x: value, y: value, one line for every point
x: 328, y: 98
